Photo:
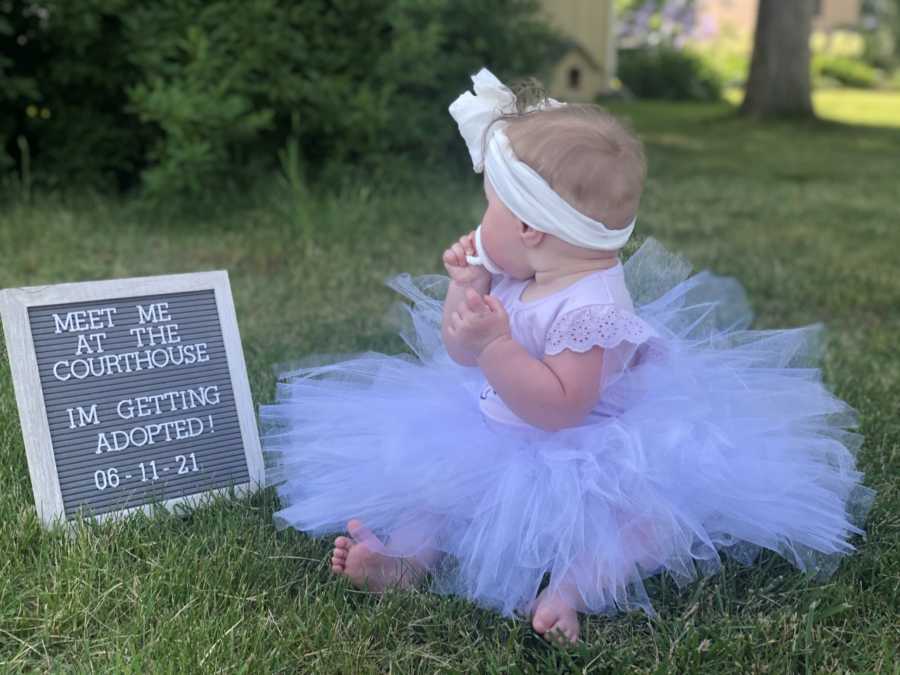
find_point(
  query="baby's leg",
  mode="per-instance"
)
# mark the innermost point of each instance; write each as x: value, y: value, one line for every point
x: 644, y: 545
x: 365, y: 561
x: 418, y: 537
x: 555, y: 615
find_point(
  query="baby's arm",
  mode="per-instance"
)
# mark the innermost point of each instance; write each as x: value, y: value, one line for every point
x: 556, y: 392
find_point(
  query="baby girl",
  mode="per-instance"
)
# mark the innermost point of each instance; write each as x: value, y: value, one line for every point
x: 560, y: 439
x: 593, y: 162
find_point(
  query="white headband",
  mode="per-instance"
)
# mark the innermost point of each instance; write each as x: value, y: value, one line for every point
x: 521, y: 188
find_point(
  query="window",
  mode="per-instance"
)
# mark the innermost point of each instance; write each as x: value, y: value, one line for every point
x: 574, y: 78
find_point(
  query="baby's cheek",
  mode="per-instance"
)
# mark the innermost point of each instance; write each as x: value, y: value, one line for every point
x: 490, y: 241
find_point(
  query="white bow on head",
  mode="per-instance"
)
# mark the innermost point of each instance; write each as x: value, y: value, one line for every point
x: 520, y: 187
x: 473, y: 113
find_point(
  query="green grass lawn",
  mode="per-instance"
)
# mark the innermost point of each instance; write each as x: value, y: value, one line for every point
x: 850, y: 106
x: 807, y: 216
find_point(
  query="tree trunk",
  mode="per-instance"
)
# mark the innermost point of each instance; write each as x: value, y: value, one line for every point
x: 779, y: 80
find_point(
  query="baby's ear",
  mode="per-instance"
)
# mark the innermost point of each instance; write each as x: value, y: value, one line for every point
x: 531, y: 236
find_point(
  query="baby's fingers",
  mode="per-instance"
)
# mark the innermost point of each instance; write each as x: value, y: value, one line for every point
x: 493, y: 303
x: 474, y: 301
x: 452, y: 257
x: 468, y: 243
x: 460, y: 254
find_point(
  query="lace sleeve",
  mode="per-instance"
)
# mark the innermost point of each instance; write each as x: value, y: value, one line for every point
x: 595, y: 325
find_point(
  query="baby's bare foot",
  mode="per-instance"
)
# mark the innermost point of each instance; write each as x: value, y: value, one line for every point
x: 360, y: 560
x: 555, y: 619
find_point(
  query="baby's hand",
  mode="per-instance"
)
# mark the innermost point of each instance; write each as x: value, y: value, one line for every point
x: 478, y: 321
x: 459, y: 269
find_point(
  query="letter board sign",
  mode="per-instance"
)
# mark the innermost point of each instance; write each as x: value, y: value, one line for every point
x: 131, y: 392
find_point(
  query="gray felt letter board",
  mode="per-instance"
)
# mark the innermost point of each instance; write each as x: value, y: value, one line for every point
x: 131, y: 392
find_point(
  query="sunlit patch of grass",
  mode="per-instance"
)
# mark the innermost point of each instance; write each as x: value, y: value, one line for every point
x: 877, y: 108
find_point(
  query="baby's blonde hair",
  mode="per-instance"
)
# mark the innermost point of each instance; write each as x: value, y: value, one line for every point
x: 591, y: 159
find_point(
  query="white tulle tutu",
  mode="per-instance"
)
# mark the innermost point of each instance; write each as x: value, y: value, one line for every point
x: 727, y: 442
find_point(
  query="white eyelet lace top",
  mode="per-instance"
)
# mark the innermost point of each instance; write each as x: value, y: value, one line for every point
x: 596, y: 310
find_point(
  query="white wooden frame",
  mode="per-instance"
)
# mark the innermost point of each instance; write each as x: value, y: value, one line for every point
x: 14, y: 304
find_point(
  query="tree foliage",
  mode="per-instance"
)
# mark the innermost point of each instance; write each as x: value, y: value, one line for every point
x: 184, y: 93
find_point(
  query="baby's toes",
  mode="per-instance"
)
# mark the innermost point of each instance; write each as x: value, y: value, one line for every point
x: 564, y: 634
x: 338, y: 562
x: 542, y: 620
x: 571, y: 634
x: 343, y: 543
x: 339, y: 556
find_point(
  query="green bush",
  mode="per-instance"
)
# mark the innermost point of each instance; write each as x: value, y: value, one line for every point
x: 15, y: 87
x: 730, y: 68
x: 190, y: 93
x: 668, y: 73
x: 845, y: 70
x: 74, y: 113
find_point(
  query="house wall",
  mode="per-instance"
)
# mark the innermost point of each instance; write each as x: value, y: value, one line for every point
x: 835, y: 14
x: 739, y: 16
x: 590, y: 23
